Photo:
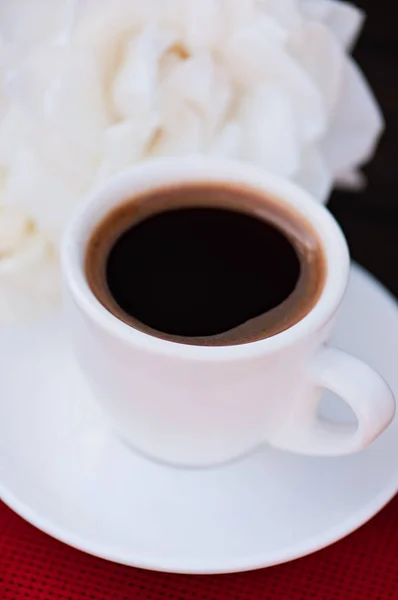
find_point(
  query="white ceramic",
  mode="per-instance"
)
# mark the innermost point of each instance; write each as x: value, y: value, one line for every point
x: 201, y: 406
x: 62, y: 470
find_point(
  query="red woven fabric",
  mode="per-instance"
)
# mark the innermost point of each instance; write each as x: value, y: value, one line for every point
x: 362, y: 567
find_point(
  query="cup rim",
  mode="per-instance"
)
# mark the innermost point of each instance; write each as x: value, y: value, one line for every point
x: 157, y: 173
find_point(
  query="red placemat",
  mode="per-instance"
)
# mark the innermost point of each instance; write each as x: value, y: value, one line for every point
x: 362, y: 567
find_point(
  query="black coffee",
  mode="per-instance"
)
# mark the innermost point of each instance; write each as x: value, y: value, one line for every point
x: 206, y: 264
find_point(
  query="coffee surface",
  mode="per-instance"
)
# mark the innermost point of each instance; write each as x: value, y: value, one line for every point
x: 206, y: 264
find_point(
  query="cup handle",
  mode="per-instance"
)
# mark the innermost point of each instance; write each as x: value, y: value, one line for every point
x: 365, y: 392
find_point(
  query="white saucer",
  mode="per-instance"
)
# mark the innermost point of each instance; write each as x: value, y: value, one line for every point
x: 63, y: 471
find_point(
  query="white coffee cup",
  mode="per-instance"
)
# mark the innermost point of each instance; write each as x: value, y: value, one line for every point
x: 200, y: 406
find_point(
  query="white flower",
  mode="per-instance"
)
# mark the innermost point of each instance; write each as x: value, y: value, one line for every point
x: 91, y: 87
x: 29, y: 271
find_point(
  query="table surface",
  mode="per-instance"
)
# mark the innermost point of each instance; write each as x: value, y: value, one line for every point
x: 362, y: 567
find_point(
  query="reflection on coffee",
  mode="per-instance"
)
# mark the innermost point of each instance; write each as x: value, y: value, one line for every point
x: 206, y: 264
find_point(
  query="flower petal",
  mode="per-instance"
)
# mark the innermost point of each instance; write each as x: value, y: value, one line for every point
x: 315, y: 48
x: 269, y: 132
x: 134, y: 87
x: 183, y: 133
x: 253, y: 57
x: 126, y: 143
x: 356, y: 125
x: 235, y: 14
x: 41, y: 20
x: 14, y: 227
x: 30, y: 281
x: 286, y: 13
x: 54, y: 197
x: 314, y: 174
x: 198, y: 84
x: 344, y: 19
x: 201, y: 24
x: 229, y: 141
x: 351, y: 180
x: 74, y: 103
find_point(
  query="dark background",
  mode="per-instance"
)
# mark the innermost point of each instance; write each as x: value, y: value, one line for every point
x: 370, y: 218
